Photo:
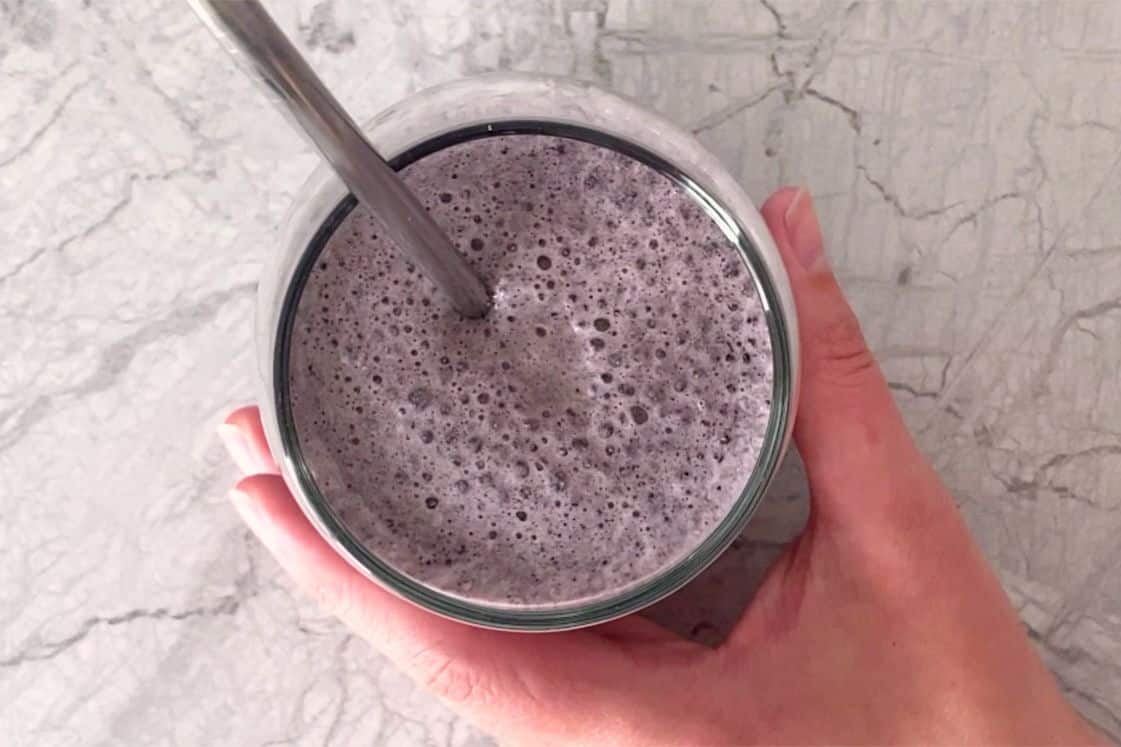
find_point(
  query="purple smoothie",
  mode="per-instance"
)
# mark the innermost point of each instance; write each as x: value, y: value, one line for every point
x: 592, y: 430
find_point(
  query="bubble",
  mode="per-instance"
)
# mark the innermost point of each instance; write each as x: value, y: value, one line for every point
x: 431, y: 501
x: 530, y: 412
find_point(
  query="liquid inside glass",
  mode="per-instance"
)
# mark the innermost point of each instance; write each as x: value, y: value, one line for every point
x: 586, y: 435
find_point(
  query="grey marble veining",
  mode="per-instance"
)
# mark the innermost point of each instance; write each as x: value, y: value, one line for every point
x: 965, y: 159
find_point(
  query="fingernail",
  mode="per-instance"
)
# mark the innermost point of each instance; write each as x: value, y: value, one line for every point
x: 804, y: 231
x: 237, y: 447
x: 247, y: 507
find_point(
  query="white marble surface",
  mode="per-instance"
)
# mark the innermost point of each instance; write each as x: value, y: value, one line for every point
x: 965, y: 157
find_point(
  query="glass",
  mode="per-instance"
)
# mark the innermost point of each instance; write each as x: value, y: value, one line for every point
x: 506, y: 103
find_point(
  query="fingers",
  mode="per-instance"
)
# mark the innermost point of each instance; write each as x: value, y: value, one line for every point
x: 848, y: 430
x: 511, y: 680
x: 402, y: 631
x: 244, y: 438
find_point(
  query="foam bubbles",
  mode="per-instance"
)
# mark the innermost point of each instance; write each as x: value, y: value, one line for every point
x: 590, y: 431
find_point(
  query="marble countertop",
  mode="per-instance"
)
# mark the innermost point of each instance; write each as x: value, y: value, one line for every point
x: 965, y: 160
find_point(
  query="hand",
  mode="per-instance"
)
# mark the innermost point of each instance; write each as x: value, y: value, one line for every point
x: 880, y: 624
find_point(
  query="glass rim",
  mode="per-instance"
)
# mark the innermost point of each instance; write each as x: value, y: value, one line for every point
x: 576, y: 614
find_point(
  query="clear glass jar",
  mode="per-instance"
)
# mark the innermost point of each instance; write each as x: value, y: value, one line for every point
x: 502, y: 101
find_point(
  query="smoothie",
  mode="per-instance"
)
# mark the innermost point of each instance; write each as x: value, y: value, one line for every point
x: 592, y: 430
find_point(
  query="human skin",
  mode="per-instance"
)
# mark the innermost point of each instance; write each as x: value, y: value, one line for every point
x: 880, y: 624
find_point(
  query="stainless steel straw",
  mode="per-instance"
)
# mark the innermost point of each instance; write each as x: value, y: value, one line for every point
x: 253, y: 38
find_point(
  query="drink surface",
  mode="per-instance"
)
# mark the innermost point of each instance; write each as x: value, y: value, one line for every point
x: 587, y: 434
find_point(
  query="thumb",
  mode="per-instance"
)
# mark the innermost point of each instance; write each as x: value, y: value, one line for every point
x: 854, y: 443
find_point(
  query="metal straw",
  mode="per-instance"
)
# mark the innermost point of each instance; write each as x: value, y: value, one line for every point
x: 253, y: 38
